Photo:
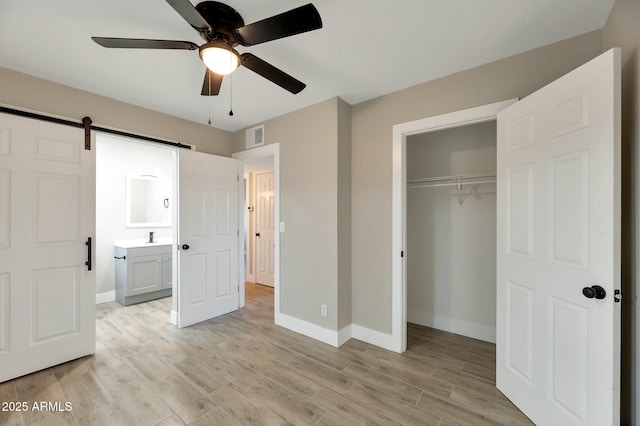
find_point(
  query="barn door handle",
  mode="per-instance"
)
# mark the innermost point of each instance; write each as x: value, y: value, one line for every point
x: 595, y: 291
x: 88, y: 262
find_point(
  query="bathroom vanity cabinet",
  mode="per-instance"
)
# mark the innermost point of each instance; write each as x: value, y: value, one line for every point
x: 143, y: 271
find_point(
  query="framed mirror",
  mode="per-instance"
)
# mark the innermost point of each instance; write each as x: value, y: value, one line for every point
x: 148, y: 201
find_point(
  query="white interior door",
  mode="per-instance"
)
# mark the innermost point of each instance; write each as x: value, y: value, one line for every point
x: 558, y: 352
x: 265, y: 235
x: 47, y: 214
x: 207, y: 237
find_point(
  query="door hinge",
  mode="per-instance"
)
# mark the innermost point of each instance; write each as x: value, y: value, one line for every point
x: 238, y: 178
x: 402, y: 253
x: 617, y: 296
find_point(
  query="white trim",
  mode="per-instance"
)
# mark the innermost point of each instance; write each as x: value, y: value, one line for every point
x: 173, y: 319
x: 308, y: 329
x: 398, y: 211
x: 109, y: 296
x: 453, y: 325
x: 345, y: 334
x: 383, y: 340
x: 264, y: 151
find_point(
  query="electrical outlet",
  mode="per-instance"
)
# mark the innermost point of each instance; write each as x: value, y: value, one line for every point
x: 323, y: 310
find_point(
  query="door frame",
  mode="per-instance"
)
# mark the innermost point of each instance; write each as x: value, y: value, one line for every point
x: 262, y: 151
x: 480, y: 114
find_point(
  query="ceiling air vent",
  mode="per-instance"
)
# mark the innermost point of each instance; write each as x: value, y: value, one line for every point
x: 255, y: 137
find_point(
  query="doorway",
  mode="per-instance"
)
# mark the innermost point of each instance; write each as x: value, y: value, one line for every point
x: 401, y: 133
x: 134, y: 203
x: 259, y: 220
x: 451, y: 230
x: 260, y: 160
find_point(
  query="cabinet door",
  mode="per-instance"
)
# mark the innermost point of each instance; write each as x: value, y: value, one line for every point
x: 144, y: 274
x: 167, y: 269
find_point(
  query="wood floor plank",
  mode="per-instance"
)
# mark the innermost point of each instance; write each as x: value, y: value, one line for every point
x: 390, y: 385
x: 292, y: 407
x: 322, y: 374
x: 182, y: 398
x: 389, y: 406
x: 202, y: 377
x: 217, y: 417
x: 244, y: 408
x: 452, y: 411
x: 501, y: 413
x: 348, y: 410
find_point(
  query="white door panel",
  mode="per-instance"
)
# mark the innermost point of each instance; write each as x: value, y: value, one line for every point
x: 558, y: 352
x: 208, y: 225
x: 47, y: 212
x: 265, y: 195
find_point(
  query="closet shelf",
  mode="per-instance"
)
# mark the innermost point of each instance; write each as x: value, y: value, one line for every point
x: 456, y: 180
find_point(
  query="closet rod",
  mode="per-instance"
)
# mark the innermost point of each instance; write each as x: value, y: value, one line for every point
x: 451, y: 180
x: 432, y: 185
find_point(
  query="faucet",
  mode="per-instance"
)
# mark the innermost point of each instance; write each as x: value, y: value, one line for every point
x: 151, y: 236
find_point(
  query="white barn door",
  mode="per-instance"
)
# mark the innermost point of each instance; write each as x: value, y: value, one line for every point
x: 47, y: 214
x: 558, y: 248
x: 208, y: 283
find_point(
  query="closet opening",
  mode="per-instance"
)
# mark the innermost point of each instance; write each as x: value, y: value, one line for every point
x: 451, y: 231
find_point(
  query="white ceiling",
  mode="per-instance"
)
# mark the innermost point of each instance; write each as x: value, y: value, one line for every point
x: 366, y: 48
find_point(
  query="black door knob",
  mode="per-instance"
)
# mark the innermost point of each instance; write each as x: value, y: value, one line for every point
x: 185, y: 247
x: 595, y: 291
x: 257, y: 234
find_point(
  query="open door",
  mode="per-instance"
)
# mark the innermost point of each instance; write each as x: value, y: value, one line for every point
x: 47, y: 223
x: 207, y: 237
x: 558, y: 248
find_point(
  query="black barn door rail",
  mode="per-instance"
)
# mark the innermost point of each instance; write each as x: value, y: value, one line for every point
x: 86, y: 124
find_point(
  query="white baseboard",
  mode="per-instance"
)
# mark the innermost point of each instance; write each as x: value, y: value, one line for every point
x: 308, y: 329
x: 453, y: 325
x: 174, y: 318
x: 336, y: 338
x: 109, y: 296
x: 344, y: 335
x: 373, y: 337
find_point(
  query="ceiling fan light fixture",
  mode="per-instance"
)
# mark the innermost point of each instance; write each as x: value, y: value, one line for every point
x: 219, y: 57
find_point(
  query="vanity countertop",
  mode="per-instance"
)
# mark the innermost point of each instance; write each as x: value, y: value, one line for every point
x: 143, y: 243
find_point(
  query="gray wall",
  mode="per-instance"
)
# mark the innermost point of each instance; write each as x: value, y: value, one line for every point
x: 372, y: 123
x: 622, y: 29
x: 309, y: 182
x: 27, y: 92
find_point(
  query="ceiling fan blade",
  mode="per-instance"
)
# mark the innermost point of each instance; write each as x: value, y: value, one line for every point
x: 211, y: 84
x: 190, y: 14
x: 299, y: 20
x: 272, y: 73
x: 139, y: 43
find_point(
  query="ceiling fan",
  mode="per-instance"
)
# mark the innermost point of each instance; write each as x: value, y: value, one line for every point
x: 223, y: 29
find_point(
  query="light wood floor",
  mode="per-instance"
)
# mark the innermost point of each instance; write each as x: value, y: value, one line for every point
x: 242, y: 369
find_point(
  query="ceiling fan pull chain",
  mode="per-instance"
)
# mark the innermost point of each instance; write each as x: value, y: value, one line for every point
x: 231, y: 95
